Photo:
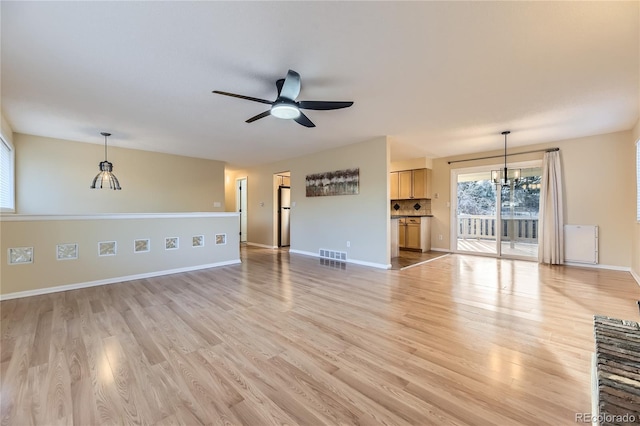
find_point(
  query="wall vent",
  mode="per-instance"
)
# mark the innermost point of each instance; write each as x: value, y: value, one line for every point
x: 340, y: 256
x: 333, y: 263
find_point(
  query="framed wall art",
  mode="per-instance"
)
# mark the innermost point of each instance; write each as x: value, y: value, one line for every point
x: 339, y: 182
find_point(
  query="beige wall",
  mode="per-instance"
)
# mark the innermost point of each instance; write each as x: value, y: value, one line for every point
x: 53, y: 177
x: 415, y: 163
x: 599, y: 176
x: 44, y: 234
x: 325, y: 222
x: 635, y: 264
x: 5, y: 129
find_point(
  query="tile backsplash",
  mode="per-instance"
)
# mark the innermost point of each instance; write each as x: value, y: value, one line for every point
x: 410, y: 207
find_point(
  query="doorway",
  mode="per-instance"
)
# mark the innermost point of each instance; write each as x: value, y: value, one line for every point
x: 241, y: 206
x: 496, y: 220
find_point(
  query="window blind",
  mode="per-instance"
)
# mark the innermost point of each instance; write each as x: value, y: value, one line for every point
x: 6, y: 176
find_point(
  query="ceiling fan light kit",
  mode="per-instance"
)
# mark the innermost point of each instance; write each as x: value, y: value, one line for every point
x: 286, y: 106
x: 285, y: 111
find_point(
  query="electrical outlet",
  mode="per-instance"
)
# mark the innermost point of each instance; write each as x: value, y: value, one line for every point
x: 348, y: 243
x: 440, y: 237
x: 217, y: 204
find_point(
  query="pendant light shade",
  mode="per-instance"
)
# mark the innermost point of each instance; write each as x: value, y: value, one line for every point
x: 505, y: 176
x: 106, y: 175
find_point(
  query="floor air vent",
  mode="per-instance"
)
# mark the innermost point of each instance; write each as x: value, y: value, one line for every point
x: 340, y: 256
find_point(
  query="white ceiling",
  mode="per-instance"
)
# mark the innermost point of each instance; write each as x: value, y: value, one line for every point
x: 440, y: 78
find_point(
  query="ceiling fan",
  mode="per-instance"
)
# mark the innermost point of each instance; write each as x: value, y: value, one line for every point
x: 286, y: 106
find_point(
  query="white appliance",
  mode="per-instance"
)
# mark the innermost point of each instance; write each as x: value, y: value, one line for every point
x: 284, y: 211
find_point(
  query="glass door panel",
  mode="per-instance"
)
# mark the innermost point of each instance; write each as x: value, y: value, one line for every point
x: 476, y: 214
x: 519, y: 207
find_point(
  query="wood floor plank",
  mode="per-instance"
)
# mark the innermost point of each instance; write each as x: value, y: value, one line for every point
x: 15, y: 397
x: 197, y: 327
x: 149, y: 348
x: 83, y: 402
x: 108, y: 405
x: 254, y: 404
x: 42, y: 339
x: 282, y: 339
x: 58, y: 408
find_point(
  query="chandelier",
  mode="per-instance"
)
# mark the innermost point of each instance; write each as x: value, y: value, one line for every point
x: 505, y: 176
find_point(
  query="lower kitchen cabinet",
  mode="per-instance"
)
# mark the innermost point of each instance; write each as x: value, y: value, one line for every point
x: 414, y: 233
x: 413, y: 236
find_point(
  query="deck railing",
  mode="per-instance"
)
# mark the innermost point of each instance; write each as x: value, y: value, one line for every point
x: 520, y: 229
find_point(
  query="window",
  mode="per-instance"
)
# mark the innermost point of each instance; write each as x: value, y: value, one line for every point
x: 638, y: 181
x: 6, y: 177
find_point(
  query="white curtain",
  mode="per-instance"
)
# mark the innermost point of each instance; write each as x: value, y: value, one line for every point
x: 551, y: 218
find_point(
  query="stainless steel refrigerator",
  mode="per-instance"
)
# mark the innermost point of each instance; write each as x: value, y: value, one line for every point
x: 284, y: 210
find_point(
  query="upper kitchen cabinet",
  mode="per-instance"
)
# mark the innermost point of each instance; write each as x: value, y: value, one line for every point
x: 408, y: 184
x: 405, y: 184
x: 394, y: 186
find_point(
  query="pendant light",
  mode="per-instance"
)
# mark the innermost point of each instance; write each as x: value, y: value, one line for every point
x: 105, y: 176
x: 502, y: 177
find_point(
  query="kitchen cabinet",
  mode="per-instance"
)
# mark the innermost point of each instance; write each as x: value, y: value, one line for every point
x: 412, y: 236
x: 405, y: 184
x: 394, y: 238
x: 414, y: 233
x: 393, y: 183
x: 421, y: 183
x: 408, y: 184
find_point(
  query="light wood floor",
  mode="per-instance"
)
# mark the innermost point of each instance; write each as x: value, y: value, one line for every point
x: 489, y: 246
x: 410, y: 258
x: 281, y: 339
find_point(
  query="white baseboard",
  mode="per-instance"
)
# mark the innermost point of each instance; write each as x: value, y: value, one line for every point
x: 635, y: 276
x: 440, y: 249
x: 598, y: 266
x: 354, y: 261
x: 114, y: 280
x: 261, y: 245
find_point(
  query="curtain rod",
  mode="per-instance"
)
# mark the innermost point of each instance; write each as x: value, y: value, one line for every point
x: 502, y: 155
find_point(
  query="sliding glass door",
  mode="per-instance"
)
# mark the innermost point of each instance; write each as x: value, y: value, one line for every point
x: 520, y: 204
x: 493, y: 219
x: 476, y: 219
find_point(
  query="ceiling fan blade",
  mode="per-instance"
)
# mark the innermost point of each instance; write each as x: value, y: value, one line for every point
x: 291, y: 86
x: 258, y: 117
x: 304, y: 120
x: 323, y: 105
x: 249, y: 98
x: 279, y: 84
